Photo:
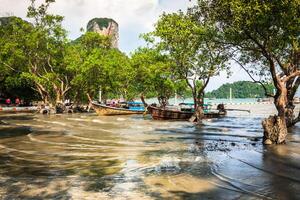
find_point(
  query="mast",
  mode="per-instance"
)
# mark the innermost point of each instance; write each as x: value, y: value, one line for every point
x: 100, y: 95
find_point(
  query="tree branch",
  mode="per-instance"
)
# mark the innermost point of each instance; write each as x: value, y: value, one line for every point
x: 204, y: 86
x: 10, y: 67
x: 255, y: 81
x: 278, y: 62
x: 276, y: 78
x: 48, y: 61
x: 292, y: 75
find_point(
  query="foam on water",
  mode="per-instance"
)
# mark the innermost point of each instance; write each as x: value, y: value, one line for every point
x: 121, y: 119
x: 168, y: 164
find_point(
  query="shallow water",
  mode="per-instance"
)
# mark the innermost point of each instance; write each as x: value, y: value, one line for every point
x: 129, y: 157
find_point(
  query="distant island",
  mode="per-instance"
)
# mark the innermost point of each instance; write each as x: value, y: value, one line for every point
x: 240, y: 89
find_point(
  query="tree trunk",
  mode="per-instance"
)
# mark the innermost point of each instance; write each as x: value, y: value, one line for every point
x: 89, y: 97
x: 195, y: 101
x: 45, y: 99
x: 198, y: 115
x: 60, y: 93
x: 43, y: 94
x: 199, y: 112
x: 275, y: 130
x: 275, y: 127
x: 200, y: 98
x: 58, y: 97
x: 90, y: 102
x: 289, y: 114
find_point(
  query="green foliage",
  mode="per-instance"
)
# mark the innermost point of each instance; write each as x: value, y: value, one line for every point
x: 46, y: 46
x: 97, y: 66
x: 6, y: 21
x: 12, y: 48
x: 241, y: 89
x: 13, y: 60
x: 36, y: 51
x: 39, y: 56
x: 262, y: 35
x: 92, y: 40
x: 190, y: 45
x: 154, y: 76
x: 264, y: 38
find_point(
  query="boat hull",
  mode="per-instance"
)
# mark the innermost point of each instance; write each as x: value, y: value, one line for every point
x: 164, y: 114
x: 103, y: 110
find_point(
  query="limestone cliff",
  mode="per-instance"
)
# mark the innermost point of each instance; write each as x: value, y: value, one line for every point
x: 6, y: 20
x: 107, y: 27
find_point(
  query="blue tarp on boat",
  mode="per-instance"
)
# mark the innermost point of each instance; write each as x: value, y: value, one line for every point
x: 136, y: 106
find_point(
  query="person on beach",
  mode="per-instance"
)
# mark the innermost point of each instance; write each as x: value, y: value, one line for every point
x: 7, y: 101
x: 17, y: 101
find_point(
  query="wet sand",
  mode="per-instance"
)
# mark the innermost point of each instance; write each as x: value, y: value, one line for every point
x: 129, y: 157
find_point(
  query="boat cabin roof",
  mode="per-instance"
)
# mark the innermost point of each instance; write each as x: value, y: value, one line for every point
x: 187, y: 104
x: 134, y: 103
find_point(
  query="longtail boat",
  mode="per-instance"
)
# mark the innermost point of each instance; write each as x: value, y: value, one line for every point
x: 168, y: 114
x: 105, y: 110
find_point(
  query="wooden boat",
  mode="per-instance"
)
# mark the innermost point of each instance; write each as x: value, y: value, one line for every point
x: 265, y: 100
x: 167, y: 114
x: 105, y: 110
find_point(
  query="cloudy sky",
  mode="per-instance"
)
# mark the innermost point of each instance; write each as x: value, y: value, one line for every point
x: 133, y: 16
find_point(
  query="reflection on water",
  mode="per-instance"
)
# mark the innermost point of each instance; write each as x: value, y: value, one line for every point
x: 91, y: 157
